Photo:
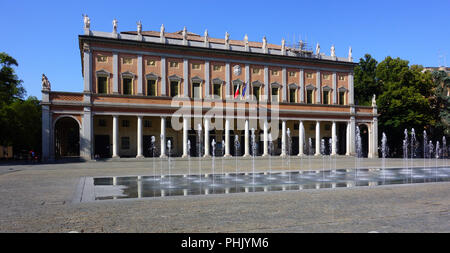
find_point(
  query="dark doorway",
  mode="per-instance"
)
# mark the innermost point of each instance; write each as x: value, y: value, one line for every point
x: 341, y: 139
x: 67, y: 138
x: 364, y: 133
x: 102, y: 146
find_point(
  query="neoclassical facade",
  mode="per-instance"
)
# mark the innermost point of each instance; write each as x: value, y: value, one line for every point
x: 144, y: 89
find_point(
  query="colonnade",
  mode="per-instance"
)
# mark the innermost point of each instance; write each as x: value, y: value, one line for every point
x: 349, y: 150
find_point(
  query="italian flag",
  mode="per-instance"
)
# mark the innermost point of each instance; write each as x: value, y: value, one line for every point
x: 236, y: 94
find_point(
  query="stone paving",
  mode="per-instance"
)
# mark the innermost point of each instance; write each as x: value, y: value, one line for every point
x: 39, y: 198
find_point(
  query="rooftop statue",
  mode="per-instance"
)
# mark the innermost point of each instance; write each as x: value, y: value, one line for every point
x: 333, y: 53
x: 227, y: 37
x: 139, y: 27
x: 114, y: 25
x: 317, y: 49
x: 264, y: 45
x: 162, y: 30
x: 87, y: 21
x: 350, y: 53
x: 374, y: 101
x: 45, y: 83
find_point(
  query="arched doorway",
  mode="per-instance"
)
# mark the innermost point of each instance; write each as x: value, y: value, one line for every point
x: 67, y: 137
x: 364, y: 133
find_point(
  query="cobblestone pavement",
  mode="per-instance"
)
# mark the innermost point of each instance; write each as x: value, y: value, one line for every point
x: 39, y: 198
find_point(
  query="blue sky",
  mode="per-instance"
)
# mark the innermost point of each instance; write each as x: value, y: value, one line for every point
x: 42, y: 35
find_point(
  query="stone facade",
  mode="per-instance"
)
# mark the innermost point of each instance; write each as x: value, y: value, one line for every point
x: 130, y: 78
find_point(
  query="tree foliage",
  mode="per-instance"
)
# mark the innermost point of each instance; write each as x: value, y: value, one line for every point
x: 20, y: 119
x: 442, y: 101
x: 403, y: 96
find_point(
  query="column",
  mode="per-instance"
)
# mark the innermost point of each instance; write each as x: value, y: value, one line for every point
x: 266, y: 138
x: 247, y: 80
x: 86, y: 138
x: 139, y: 138
x: 317, y: 138
x: 333, y: 138
x: 87, y: 69
x: 46, y: 132
x: 247, y: 142
x: 284, y: 83
x: 227, y: 138
x: 207, y: 85
x: 347, y: 138
x: 115, y: 73
x: 115, y: 137
x: 350, y: 89
x: 140, y: 63
x: 302, y: 86
x: 185, y: 77
x: 352, y: 135
x: 301, y: 138
x: 375, y: 137
x: 370, y: 142
x: 283, y: 138
x: 163, y: 76
x: 185, y: 137
x: 163, y: 137
x: 335, y: 91
x: 227, y: 80
x: 266, y: 83
x: 318, y: 89
x: 207, y: 144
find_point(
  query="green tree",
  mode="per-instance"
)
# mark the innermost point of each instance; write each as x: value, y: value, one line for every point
x: 365, y: 80
x: 442, y: 101
x: 20, y: 119
x: 404, y: 102
x: 10, y: 85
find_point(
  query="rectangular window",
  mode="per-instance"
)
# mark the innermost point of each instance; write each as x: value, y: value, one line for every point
x: 102, y: 84
x: 125, y: 143
x: 309, y: 75
x: 151, y: 87
x: 151, y: 62
x: 127, y: 86
x: 256, y: 92
x: 309, y: 96
x: 256, y: 71
x: 217, y: 90
x: 147, y: 123
x: 125, y: 123
x: 274, y: 94
x: 327, y: 127
x: 127, y: 60
x: 341, y: 77
x: 217, y: 67
x: 102, y: 58
x: 296, y: 126
x: 102, y: 123
x: 292, y: 96
x: 342, y: 97
x: 292, y: 73
x: 173, y: 88
x: 173, y: 64
x: 326, y: 77
x: 196, y: 90
x: 275, y: 72
x: 195, y: 65
x: 326, y: 97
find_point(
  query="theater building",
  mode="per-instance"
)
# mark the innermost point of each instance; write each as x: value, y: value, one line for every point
x: 296, y: 100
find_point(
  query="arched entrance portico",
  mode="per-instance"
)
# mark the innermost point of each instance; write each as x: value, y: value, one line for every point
x: 364, y: 133
x: 67, y: 137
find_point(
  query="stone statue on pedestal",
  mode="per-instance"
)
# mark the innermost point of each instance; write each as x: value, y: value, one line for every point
x: 45, y: 83
x: 87, y: 22
x: 139, y: 27
x: 374, y: 101
x: 317, y: 49
x: 333, y: 53
x: 114, y: 25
